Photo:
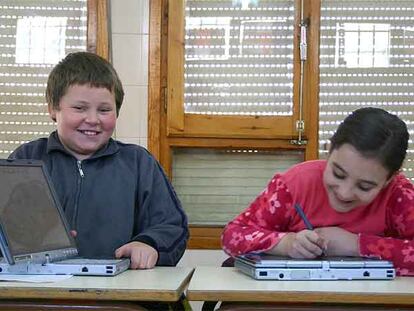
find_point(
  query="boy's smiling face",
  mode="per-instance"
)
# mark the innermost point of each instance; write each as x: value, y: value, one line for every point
x: 85, y: 120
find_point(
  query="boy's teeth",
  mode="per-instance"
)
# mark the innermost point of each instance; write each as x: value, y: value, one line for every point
x: 89, y: 133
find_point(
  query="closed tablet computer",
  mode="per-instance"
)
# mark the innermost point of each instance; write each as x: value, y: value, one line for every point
x: 270, y: 267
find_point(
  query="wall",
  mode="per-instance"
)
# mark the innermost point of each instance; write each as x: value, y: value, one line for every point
x: 130, y: 34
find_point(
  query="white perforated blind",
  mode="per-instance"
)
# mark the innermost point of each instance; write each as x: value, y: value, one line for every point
x: 366, y: 59
x: 215, y: 185
x: 34, y: 36
x: 239, y: 57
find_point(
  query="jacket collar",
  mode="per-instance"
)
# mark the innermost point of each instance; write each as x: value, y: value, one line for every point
x: 54, y: 144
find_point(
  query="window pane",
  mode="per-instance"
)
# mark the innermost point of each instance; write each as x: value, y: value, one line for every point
x: 239, y: 57
x: 216, y: 185
x: 34, y: 36
x: 366, y: 59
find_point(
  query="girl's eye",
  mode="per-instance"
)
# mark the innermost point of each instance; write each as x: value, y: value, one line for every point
x: 364, y: 188
x: 337, y: 175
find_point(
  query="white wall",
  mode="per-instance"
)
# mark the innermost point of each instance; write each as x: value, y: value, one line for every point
x: 130, y: 35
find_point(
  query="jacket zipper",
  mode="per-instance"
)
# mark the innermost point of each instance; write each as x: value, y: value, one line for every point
x: 79, y: 162
x: 78, y: 191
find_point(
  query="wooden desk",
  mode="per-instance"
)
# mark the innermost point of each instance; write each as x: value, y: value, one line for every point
x: 228, y: 284
x: 158, y: 284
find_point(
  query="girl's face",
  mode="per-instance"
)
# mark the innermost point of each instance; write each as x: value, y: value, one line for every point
x: 352, y: 180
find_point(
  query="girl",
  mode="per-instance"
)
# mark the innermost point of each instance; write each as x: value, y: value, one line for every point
x: 357, y: 200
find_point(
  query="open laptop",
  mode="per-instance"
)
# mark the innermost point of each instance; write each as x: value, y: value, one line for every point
x: 34, y: 234
x: 269, y: 267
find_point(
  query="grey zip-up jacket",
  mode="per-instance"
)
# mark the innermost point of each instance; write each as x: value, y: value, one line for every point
x: 118, y: 195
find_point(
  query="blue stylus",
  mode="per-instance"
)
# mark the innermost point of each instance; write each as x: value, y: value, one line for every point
x: 302, y: 215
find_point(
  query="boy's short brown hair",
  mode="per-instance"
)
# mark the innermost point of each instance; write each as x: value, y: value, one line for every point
x: 83, y: 68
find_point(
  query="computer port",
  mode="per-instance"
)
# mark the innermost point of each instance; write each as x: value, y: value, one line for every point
x: 263, y: 273
x: 366, y: 273
x: 85, y: 269
x: 281, y: 275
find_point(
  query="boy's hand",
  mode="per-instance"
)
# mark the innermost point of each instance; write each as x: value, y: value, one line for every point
x: 339, y: 241
x: 142, y: 255
x: 303, y: 244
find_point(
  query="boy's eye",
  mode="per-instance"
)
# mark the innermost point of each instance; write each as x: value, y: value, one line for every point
x: 78, y: 107
x: 105, y: 109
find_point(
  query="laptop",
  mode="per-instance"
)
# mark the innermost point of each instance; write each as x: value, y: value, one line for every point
x: 270, y: 267
x: 34, y: 234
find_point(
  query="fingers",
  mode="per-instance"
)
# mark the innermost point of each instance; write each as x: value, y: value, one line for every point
x: 324, y: 245
x: 120, y: 252
x: 299, y: 251
x: 323, y: 239
x: 317, y: 241
x: 141, y: 259
x: 142, y: 255
x: 307, y: 244
x: 136, y: 261
x: 73, y: 233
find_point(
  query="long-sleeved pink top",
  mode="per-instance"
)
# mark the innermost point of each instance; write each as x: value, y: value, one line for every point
x: 385, y: 227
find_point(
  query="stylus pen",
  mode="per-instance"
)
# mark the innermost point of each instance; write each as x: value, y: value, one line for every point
x: 308, y: 225
x: 302, y: 215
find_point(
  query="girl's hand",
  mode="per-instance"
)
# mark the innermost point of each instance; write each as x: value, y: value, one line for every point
x: 339, y: 241
x: 303, y: 244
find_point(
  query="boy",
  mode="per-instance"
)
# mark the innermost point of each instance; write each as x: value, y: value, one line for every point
x: 116, y: 197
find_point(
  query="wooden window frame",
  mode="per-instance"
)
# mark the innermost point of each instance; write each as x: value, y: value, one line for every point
x: 180, y: 124
x: 97, y: 32
x: 162, y: 140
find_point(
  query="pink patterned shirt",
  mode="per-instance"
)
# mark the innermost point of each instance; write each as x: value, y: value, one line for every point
x: 385, y: 227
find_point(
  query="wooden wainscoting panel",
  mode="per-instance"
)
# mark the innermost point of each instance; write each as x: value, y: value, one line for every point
x: 205, y: 237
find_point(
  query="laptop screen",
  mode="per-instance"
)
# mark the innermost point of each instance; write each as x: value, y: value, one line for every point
x: 28, y: 215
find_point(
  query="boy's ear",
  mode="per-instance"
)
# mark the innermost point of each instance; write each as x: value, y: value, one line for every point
x: 52, y: 112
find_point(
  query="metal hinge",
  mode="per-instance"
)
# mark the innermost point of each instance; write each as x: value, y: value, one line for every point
x: 300, y: 127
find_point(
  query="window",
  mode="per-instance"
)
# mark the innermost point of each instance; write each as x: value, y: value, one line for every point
x: 367, y: 59
x: 362, y: 45
x: 238, y: 59
x: 34, y: 36
x: 233, y: 72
